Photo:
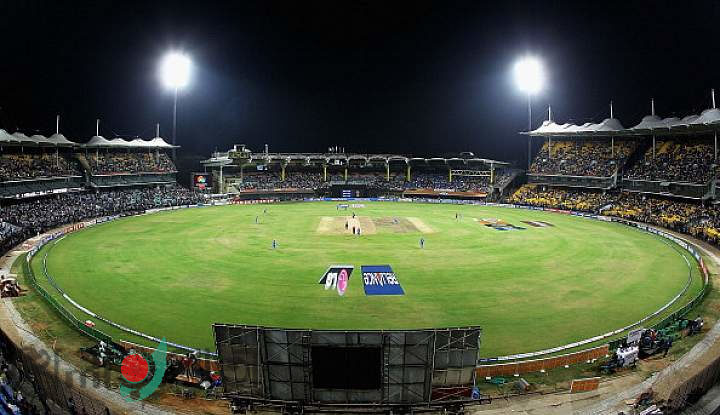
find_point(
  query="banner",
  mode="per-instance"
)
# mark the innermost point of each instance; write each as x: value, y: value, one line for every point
x: 337, y: 276
x: 380, y: 280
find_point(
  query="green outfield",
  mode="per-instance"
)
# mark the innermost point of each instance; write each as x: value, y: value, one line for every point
x: 173, y: 274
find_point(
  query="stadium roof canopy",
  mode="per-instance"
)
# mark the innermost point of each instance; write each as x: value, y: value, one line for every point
x: 707, y: 121
x: 59, y: 140
x: 102, y: 142
x: 341, y: 158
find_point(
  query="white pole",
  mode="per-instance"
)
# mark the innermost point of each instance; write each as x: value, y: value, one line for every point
x: 611, y: 110
x: 157, y: 130
x: 97, y: 127
x: 529, y: 129
x: 712, y: 92
x: 549, y: 113
x: 652, y: 106
x: 174, y: 124
x: 653, y: 146
x: 550, y: 148
x: 57, y: 124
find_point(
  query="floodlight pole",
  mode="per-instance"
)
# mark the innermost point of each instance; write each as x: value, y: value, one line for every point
x: 529, y: 100
x: 174, y: 124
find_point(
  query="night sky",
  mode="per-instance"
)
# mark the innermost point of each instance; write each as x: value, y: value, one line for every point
x: 380, y: 76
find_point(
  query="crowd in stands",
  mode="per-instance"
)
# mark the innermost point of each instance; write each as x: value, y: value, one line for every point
x: 557, y: 198
x: 273, y: 180
x: 694, y: 218
x: 442, y: 182
x: 129, y: 162
x: 702, y: 221
x: 31, y: 166
x: 21, y: 220
x: 582, y: 157
x: 311, y: 180
x: 686, y: 161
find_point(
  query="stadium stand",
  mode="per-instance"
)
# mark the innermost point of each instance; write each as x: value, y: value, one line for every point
x: 25, y: 218
x: 582, y: 157
x: 27, y: 166
x: 558, y: 198
x: 113, y: 162
x: 689, y: 160
x: 271, y: 180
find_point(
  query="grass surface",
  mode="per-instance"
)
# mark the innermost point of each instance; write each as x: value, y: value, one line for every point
x: 173, y: 274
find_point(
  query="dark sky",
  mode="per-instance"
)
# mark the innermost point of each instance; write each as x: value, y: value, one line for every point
x: 413, y: 77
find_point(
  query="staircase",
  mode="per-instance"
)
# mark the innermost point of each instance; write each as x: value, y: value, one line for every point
x: 87, y: 172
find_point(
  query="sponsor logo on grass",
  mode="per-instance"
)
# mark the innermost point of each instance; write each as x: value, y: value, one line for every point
x: 380, y: 280
x: 337, y: 276
x: 135, y: 370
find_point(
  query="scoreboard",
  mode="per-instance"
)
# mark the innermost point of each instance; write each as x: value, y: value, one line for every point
x: 201, y: 181
x: 349, y: 190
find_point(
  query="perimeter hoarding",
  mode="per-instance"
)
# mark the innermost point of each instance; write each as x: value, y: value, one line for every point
x: 351, y: 367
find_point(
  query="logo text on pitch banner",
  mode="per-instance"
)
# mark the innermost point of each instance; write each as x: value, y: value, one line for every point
x: 337, y: 276
x: 380, y: 280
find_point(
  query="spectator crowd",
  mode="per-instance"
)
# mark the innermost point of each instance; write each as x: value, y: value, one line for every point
x: 557, y: 198
x: 30, y: 166
x: 687, y: 161
x: 694, y: 218
x: 270, y: 180
x: 582, y: 157
x: 23, y: 219
x: 129, y: 162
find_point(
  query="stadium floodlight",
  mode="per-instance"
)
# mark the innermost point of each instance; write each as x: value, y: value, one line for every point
x: 175, y: 71
x: 530, y: 79
x: 529, y: 75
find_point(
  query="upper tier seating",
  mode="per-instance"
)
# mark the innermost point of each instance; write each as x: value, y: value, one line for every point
x: 682, y: 161
x: 583, y: 157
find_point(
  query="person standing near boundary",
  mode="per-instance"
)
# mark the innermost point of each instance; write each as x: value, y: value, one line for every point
x: 274, y: 244
x: 257, y: 219
x: 422, y: 243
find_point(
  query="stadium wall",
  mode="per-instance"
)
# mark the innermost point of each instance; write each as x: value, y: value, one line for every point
x: 536, y: 365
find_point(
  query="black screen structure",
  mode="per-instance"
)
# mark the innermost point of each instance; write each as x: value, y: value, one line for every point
x: 361, y: 368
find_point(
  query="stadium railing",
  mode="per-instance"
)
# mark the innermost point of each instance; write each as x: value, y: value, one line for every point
x: 62, y: 311
x: 691, y: 190
x: 571, y: 181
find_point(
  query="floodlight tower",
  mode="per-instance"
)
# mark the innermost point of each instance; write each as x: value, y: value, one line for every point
x: 530, y: 78
x: 175, y: 70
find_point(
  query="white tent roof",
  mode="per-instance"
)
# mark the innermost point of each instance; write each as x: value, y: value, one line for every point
x: 23, y: 139
x: 41, y: 140
x: 552, y: 128
x: 7, y: 138
x: 160, y: 143
x: 119, y: 142
x: 709, y: 116
x: 60, y: 140
x: 98, y: 141
x: 708, y: 120
x: 649, y: 122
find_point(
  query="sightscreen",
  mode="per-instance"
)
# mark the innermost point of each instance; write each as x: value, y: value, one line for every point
x: 347, y: 367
